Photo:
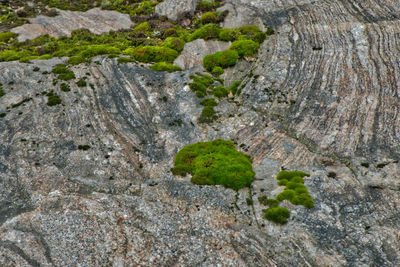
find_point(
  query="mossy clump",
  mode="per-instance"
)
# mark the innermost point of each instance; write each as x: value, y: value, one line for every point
x: 217, y: 71
x: 209, y: 17
x: 205, y: 6
x: 245, y: 48
x: 53, y: 99
x: 65, y: 87
x: 207, y: 115
x: 277, y: 214
x: 2, y: 92
x: 221, y: 59
x: 63, y: 73
x: 142, y: 28
x: 228, y: 34
x: 252, y: 32
x: 154, y: 54
x: 214, y: 162
x: 175, y: 43
x: 209, y: 102
x: 164, y: 66
x: 81, y: 83
x: 201, y: 84
x: 220, y: 91
x: 7, y: 36
x: 208, y: 31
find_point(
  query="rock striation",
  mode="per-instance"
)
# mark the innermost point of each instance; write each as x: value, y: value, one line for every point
x: 321, y: 97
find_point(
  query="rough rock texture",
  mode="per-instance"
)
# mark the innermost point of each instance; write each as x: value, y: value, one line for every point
x: 96, y: 20
x: 173, y: 9
x: 322, y: 97
x: 194, y: 52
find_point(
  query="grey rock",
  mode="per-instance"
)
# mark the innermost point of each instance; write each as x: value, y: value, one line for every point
x: 95, y: 20
x: 173, y: 9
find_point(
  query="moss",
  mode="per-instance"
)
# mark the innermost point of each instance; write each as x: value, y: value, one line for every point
x: 209, y: 17
x: 2, y: 115
x: 209, y: 102
x: 277, y: 214
x: 215, y: 162
x: 206, y: 32
x: 332, y: 174
x: 81, y: 83
x: 217, y: 71
x: 286, y: 194
x: 53, y: 99
x: 252, y: 32
x: 228, y: 34
x: 288, y: 175
x: 208, y: 115
x: 249, y: 201
x: 234, y: 87
x: 143, y: 28
x: 84, y: 147
x: 303, y: 199
x: 272, y: 202
x: 282, y: 182
x: 65, y: 87
x: 63, y: 72
x: 7, y: 36
x: 125, y: 60
x: 200, y: 84
x: 365, y: 164
x: 154, y: 54
x: 222, y: 59
x: 175, y: 43
x: 205, y: 6
x: 220, y: 92
x: 163, y: 66
x: 245, y: 48
x: 2, y: 92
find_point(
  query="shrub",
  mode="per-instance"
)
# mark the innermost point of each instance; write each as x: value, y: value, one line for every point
x: 209, y: 102
x: 175, y: 43
x: 206, y: 32
x: 228, y: 35
x: 215, y: 162
x: 163, y: 66
x: 219, y: 92
x: 245, y: 48
x: 277, y: 214
x: 63, y: 72
x: 222, y: 59
x: 154, y: 54
x: 207, y: 115
x: 209, y: 17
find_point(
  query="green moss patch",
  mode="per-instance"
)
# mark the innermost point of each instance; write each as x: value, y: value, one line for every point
x: 154, y: 54
x: 222, y: 59
x: 277, y: 214
x: 53, y: 99
x: 214, y: 162
x: 245, y: 48
x: 208, y: 31
x: 163, y: 66
x: 63, y: 73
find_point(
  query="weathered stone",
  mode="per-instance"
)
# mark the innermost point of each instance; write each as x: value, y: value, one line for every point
x: 95, y: 20
x: 174, y: 8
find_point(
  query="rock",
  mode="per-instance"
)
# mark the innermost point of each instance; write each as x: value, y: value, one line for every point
x: 96, y: 20
x: 173, y: 9
x: 194, y: 52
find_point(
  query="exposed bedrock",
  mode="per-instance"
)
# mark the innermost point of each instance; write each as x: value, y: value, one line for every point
x: 321, y: 97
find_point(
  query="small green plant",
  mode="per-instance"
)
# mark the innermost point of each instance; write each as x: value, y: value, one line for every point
x: 209, y: 17
x: 214, y: 162
x: 2, y: 92
x: 63, y: 73
x: 277, y: 214
x: 81, y: 83
x: 65, y: 87
x: 220, y: 92
x: 249, y: 201
x: 217, y: 71
x: 252, y: 32
x: 206, y: 32
x: 228, y: 34
x: 207, y: 115
x: 154, y: 54
x: 209, y: 102
x: 53, y: 99
x: 175, y: 43
x: 222, y: 59
x: 7, y: 36
x: 245, y: 48
x: 234, y: 87
x: 201, y: 84
x: 163, y: 66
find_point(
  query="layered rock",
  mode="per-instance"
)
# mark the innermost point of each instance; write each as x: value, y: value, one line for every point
x: 321, y: 97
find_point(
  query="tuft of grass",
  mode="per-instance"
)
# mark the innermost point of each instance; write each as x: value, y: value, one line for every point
x: 214, y: 162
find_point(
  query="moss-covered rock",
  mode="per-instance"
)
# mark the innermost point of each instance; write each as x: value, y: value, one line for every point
x: 221, y: 59
x: 215, y: 162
